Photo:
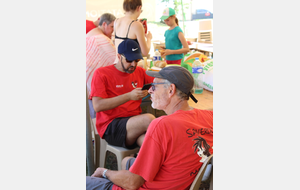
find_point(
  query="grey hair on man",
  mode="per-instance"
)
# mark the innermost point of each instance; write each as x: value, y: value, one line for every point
x: 179, y: 93
x: 179, y: 76
x: 107, y: 18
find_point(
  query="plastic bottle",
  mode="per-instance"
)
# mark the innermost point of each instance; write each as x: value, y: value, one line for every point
x: 209, y: 55
x: 197, y: 72
x: 156, y: 57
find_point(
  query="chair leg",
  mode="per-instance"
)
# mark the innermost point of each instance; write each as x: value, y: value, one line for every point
x: 97, y: 151
x: 103, y: 144
x: 119, y: 160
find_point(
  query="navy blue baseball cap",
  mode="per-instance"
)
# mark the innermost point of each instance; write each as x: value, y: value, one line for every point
x: 177, y: 75
x: 130, y: 49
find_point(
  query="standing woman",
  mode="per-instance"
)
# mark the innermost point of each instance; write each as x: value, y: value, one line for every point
x: 176, y: 44
x: 128, y: 27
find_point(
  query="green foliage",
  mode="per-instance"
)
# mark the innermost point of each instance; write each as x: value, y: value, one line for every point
x: 177, y: 5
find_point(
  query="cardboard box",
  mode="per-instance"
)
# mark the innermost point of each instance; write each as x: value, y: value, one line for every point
x: 205, y: 24
x: 205, y: 37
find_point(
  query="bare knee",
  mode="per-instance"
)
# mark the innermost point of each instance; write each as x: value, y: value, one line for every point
x: 124, y: 161
x: 137, y: 126
x: 140, y: 140
x: 148, y: 118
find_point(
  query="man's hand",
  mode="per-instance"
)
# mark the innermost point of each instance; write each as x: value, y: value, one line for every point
x: 98, y: 172
x: 138, y: 93
x: 102, y: 104
x: 122, y: 178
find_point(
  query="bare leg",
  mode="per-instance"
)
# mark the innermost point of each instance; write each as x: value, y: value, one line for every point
x: 137, y: 126
x: 140, y: 140
x: 124, y: 161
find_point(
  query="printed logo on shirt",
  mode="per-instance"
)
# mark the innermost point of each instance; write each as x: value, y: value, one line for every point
x: 134, y: 84
x: 135, y: 49
x: 119, y: 86
x: 203, y: 148
x: 202, y: 131
x: 200, y: 145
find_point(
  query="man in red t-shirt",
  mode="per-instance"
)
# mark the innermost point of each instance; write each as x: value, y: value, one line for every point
x: 175, y: 145
x: 91, y: 25
x: 116, y: 92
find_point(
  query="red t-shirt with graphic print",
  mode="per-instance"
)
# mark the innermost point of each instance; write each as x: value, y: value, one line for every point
x: 167, y: 159
x: 108, y: 82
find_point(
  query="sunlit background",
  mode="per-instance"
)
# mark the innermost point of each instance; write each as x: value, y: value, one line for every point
x: 188, y: 12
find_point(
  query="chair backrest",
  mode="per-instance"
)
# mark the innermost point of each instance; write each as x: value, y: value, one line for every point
x: 197, y: 181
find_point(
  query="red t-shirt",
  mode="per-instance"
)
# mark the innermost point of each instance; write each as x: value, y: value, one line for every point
x: 89, y: 25
x: 167, y: 159
x: 108, y: 82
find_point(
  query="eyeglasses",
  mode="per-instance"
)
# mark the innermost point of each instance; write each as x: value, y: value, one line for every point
x: 137, y: 60
x: 153, y: 85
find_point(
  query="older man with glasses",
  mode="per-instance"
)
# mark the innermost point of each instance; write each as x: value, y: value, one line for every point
x: 175, y: 145
x: 117, y: 94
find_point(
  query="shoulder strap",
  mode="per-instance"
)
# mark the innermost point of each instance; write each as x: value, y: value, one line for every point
x: 129, y: 28
x: 115, y: 26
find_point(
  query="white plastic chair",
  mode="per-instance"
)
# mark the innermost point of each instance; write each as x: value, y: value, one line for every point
x: 101, y: 148
x: 198, y: 179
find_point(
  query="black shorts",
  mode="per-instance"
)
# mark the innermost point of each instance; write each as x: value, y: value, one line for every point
x: 116, y: 132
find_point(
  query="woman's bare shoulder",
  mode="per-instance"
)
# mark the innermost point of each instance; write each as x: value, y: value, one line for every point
x: 137, y: 27
x: 137, y: 24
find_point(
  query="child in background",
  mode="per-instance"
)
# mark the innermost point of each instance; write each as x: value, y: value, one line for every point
x: 175, y: 41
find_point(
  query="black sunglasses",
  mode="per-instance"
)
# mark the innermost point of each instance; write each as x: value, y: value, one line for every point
x: 137, y: 60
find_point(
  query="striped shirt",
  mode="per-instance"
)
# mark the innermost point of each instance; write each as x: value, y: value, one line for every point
x: 100, y: 52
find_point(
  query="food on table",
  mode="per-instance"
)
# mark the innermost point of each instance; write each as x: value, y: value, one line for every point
x: 155, y: 68
x: 141, y: 63
x: 160, y: 64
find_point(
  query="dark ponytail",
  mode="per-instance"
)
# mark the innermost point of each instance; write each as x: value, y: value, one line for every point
x: 176, y: 20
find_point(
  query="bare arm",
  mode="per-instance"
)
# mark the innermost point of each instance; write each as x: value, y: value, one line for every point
x: 184, y: 49
x: 122, y: 178
x: 140, y: 35
x: 102, y: 104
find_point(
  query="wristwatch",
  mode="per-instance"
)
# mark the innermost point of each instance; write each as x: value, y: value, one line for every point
x: 103, y: 175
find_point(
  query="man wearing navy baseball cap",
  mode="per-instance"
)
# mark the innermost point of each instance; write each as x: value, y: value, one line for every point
x: 130, y: 52
x: 116, y: 92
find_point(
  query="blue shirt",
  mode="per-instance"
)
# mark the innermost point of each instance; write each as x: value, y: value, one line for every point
x: 172, y: 42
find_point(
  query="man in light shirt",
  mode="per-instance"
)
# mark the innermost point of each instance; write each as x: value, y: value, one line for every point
x: 100, y: 51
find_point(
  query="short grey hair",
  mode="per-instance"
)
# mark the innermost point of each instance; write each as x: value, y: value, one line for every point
x: 107, y: 18
x: 179, y: 93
